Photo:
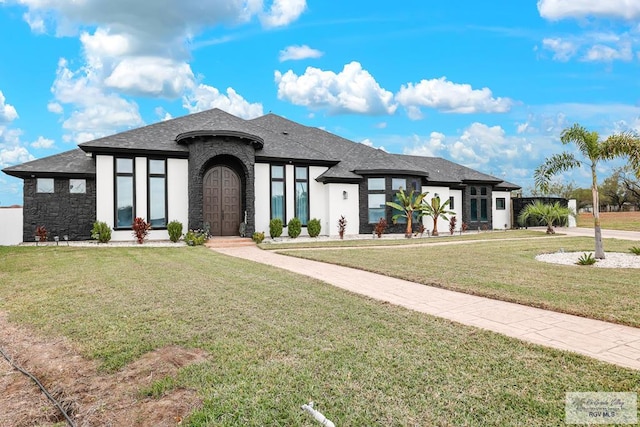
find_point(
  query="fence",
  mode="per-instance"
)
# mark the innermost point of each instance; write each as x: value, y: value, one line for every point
x: 10, y: 226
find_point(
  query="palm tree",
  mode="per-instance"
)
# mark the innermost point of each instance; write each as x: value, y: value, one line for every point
x: 545, y: 214
x: 407, y: 204
x: 436, y: 210
x: 593, y: 150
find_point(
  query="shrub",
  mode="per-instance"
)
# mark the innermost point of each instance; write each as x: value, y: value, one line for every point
x: 586, y: 259
x: 294, y: 228
x: 258, y: 237
x: 464, y: 226
x: 275, y: 228
x: 452, y: 224
x: 175, y: 230
x: 314, y: 227
x: 635, y: 250
x: 101, y: 232
x: 140, y: 229
x: 195, y: 237
x: 380, y: 227
x: 342, y: 226
x: 41, y: 233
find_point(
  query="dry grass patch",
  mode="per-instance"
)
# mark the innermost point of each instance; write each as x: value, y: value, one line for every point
x: 628, y: 221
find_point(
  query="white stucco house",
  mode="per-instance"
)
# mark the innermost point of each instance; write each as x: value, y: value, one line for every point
x: 217, y: 169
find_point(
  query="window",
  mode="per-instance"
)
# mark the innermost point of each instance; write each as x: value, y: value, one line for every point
x: 483, y: 191
x: 474, y: 191
x: 398, y: 183
x: 474, y: 209
x: 483, y: 209
x: 124, y: 193
x: 77, y: 186
x: 302, y: 194
x: 500, y: 203
x: 157, y: 193
x: 377, y: 207
x: 375, y: 184
x: 277, y: 193
x: 451, y: 203
x: 44, y: 185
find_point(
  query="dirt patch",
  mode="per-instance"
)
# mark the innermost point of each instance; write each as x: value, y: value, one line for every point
x: 93, y: 398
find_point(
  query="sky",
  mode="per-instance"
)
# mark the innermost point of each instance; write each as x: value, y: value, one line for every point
x: 489, y: 85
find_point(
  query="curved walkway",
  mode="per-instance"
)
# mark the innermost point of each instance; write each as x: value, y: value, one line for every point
x: 608, y: 342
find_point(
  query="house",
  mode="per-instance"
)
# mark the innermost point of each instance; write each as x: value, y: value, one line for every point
x: 217, y: 169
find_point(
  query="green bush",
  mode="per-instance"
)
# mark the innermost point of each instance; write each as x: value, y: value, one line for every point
x: 294, y: 228
x: 586, y: 259
x: 258, y: 236
x: 175, y: 230
x: 275, y: 228
x: 195, y: 237
x: 635, y: 250
x: 101, y: 232
x: 314, y: 227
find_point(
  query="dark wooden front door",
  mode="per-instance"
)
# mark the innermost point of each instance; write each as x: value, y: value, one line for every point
x: 222, y: 206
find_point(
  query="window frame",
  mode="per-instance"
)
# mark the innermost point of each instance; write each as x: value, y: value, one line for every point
x: 378, y: 192
x: 451, y: 203
x: 72, y: 186
x: 501, y: 203
x: 42, y: 180
x: 295, y: 196
x: 117, y: 174
x: 151, y: 175
x: 282, y: 180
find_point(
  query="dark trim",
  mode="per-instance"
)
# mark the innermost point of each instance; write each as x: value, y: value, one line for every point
x: 115, y: 191
x: 337, y: 180
x: 187, y: 137
x: 129, y: 152
x: 290, y: 161
x: 32, y: 174
x: 166, y: 193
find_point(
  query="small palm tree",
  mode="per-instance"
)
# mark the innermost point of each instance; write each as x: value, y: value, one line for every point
x: 436, y: 210
x: 545, y: 214
x: 593, y: 150
x: 407, y: 204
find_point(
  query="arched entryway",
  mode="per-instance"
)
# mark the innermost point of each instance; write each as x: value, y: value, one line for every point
x: 222, y: 201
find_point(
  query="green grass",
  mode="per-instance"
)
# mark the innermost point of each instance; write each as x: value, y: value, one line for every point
x: 400, y: 241
x: 277, y: 340
x: 508, y: 271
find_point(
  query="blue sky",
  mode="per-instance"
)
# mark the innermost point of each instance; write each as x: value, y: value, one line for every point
x: 486, y: 84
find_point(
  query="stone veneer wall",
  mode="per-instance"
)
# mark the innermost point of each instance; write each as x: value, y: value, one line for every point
x: 466, y: 207
x: 59, y: 212
x: 205, y: 152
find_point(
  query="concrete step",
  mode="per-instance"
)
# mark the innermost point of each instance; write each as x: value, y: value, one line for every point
x: 228, y: 242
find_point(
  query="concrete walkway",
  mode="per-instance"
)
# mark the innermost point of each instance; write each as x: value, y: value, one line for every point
x: 606, y: 234
x: 609, y: 342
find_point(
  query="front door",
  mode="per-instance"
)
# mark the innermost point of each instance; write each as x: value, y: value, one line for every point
x: 222, y: 206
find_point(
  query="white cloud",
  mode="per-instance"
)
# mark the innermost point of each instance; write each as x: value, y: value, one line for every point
x: 36, y: 23
x: 283, y: 12
x: 449, y: 97
x: 205, y: 97
x: 8, y: 112
x: 14, y: 155
x: 381, y: 125
x: 98, y: 113
x: 55, y: 107
x: 563, y: 50
x: 42, y: 142
x: 299, y: 52
x: 151, y: 76
x: 561, y: 9
x: 431, y: 147
x: 370, y: 143
x: 353, y: 90
x: 602, y: 53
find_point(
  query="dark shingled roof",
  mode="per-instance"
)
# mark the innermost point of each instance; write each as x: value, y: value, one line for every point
x: 74, y: 163
x: 274, y: 138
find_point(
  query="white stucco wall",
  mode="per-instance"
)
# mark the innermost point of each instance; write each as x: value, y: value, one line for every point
x: 177, y: 195
x: 263, y: 197
x: 338, y: 206
x: 502, y: 217
x: 573, y: 205
x: 10, y: 226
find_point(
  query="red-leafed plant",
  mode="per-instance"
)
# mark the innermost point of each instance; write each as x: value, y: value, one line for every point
x: 380, y: 227
x: 140, y: 229
x: 464, y: 226
x: 41, y: 233
x: 342, y: 226
x: 452, y: 224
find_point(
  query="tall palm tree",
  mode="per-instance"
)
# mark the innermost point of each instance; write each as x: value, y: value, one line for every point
x: 407, y: 204
x: 593, y: 150
x: 436, y: 210
x: 545, y: 214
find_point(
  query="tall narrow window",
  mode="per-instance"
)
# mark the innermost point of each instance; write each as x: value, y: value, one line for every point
x: 451, y: 206
x: 474, y: 209
x: 302, y: 194
x: 124, y: 193
x: 483, y: 209
x: 278, y: 193
x: 376, y: 199
x: 157, y: 193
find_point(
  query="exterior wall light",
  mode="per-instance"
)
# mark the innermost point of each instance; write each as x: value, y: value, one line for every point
x: 345, y: 195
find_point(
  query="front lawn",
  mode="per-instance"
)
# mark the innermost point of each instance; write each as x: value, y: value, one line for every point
x: 507, y: 270
x: 629, y: 221
x: 277, y: 340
